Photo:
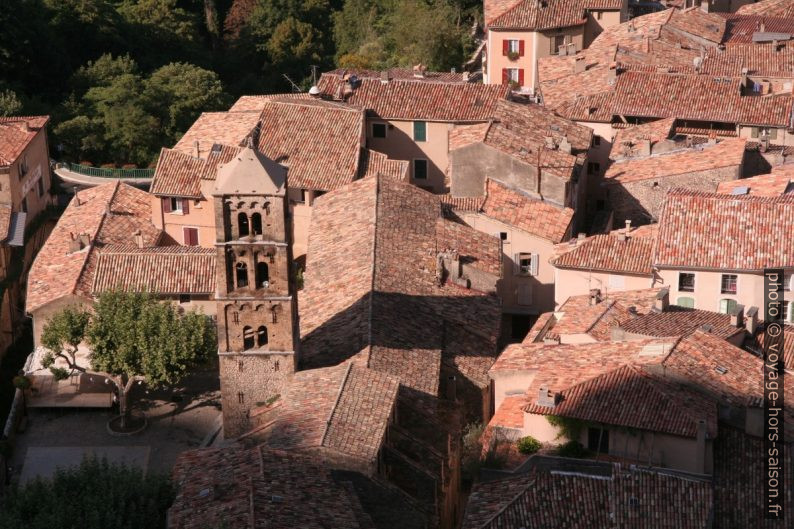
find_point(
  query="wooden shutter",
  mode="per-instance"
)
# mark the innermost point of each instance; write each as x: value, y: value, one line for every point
x: 535, y: 261
x: 505, y: 46
x: 521, y: 48
x: 517, y: 264
x: 166, y: 204
x: 521, y: 77
x: 185, y: 206
x: 505, y: 77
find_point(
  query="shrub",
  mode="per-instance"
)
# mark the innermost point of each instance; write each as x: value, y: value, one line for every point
x: 528, y: 445
x: 22, y: 382
x: 572, y: 449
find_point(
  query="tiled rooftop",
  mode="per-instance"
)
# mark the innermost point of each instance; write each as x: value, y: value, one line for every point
x: 741, y: 26
x: 405, y: 74
x: 653, y: 131
x: 418, y: 100
x: 534, y: 15
x: 164, y: 270
x: 757, y: 342
x: 225, y: 128
x: 778, y: 182
x: 679, y: 321
x: 180, y: 174
x: 524, y: 212
x: 107, y: 214
x: 730, y: 232
x: 375, y: 163
x: 701, y: 157
x: 614, y: 252
x: 768, y: 8
x: 16, y: 132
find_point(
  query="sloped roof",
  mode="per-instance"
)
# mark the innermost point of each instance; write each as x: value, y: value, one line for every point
x: 225, y: 128
x: 108, y: 214
x: 632, y: 254
x: 728, y: 232
x: 680, y: 321
x: 375, y: 163
x: 16, y: 132
x: 769, y: 185
x: 538, y: 15
x: 250, y: 173
x: 768, y: 8
x: 653, y: 131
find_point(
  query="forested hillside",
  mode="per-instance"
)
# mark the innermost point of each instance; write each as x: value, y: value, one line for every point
x: 123, y: 78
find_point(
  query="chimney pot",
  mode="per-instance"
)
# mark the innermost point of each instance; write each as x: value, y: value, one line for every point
x: 595, y: 296
x: 751, y: 321
x: 737, y: 316
x: 662, y: 301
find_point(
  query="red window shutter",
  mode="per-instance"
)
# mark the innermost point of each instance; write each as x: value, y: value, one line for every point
x: 166, y: 204
x: 505, y: 76
x: 520, y: 48
x: 505, y: 46
x: 521, y: 77
x: 191, y: 236
x: 185, y: 206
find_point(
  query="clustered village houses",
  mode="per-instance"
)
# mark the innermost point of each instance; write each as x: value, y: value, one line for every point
x: 568, y: 247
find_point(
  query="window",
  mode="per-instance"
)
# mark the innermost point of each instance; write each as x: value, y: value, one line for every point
x: 23, y: 166
x: 256, y: 224
x: 174, y: 205
x: 261, y: 336
x: 593, y: 167
x: 686, y: 302
x: 787, y: 311
x: 527, y: 264
x: 727, y: 305
x: 599, y: 14
x: 241, y: 275
x: 596, y: 140
x: 242, y: 224
x: 420, y: 131
x: 686, y: 282
x: 184, y: 298
x: 556, y: 43
x: 420, y: 169
x: 728, y: 284
x: 190, y: 236
x: 240, y: 397
x: 248, y: 338
x: 788, y: 279
x: 503, y: 235
x: 598, y: 440
x: 379, y: 130
x: 512, y: 46
x: 262, y: 275
x: 40, y: 187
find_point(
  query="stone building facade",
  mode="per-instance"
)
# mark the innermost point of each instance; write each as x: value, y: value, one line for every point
x: 257, y: 318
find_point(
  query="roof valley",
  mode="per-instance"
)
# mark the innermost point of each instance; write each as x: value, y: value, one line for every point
x: 373, y: 268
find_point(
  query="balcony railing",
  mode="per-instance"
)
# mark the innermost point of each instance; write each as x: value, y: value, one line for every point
x: 105, y: 172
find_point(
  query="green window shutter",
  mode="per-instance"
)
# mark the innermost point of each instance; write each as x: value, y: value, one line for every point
x: 686, y: 302
x: 420, y: 131
x: 727, y: 305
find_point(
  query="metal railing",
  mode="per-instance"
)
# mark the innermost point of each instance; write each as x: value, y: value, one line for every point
x: 105, y: 172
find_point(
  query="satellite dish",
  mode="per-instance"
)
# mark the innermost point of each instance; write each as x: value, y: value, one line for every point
x: 314, y: 91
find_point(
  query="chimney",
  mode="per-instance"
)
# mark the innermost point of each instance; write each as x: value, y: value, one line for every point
x: 762, y: 26
x: 84, y: 239
x: 565, y: 145
x: 465, y: 77
x: 644, y: 147
x: 579, y: 64
x: 612, y: 75
x: 546, y: 398
x: 595, y: 296
x: 197, y: 149
x: 700, y: 456
x: 384, y: 77
x: 419, y: 70
x: 622, y: 236
x: 737, y: 316
x: 662, y: 301
x: 628, y: 226
x: 74, y: 243
x: 751, y: 321
x: 138, y: 237
x: 581, y: 237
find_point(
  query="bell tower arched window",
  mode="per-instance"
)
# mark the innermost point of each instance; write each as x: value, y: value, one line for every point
x: 242, y: 224
x: 241, y: 274
x: 262, y: 275
x: 256, y: 224
x: 261, y: 336
x: 248, y: 338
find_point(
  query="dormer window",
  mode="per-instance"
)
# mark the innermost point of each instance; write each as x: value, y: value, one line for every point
x: 175, y: 205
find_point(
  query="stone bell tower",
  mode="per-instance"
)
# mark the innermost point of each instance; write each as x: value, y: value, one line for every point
x: 257, y: 316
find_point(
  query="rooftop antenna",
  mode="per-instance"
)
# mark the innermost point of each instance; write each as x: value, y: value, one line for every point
x: 314, y: 74
x: 295, y: 88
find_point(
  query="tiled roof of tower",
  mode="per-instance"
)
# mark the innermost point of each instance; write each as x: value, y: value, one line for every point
x: 417, y: 100
x: 703, y: 157
x: 769, y: 8
x: 526, y: 213
x: 610, y: 253
x: 371, y: 287
x: 564, y: 495
x: 161, y: 270
x: 373, y: 163
x: 347, y: 410
x: 700, y: 230
x: 16, y: 132
x: 108, y: 214
x: 680, y: 321
x: 696, y: 97
x: 319, y: 141
x: 628, y: 396
x: 535, y: 15
x: 225, y: 128
x: 768, y: 185
x: 258, y: 488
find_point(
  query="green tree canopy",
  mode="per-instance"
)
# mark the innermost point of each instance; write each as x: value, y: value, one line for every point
x: 95, y: 495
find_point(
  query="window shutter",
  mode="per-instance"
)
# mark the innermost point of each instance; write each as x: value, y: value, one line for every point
x: 505, y: 46
x: 535, y: 260
x: 185, y: 206
x: 505, y: 76
x: 194, y: 237
x: 521, y: 77
x: 166, y: 204
x: 754, y: 132
x: 520, y: 48
x: 517, y: 264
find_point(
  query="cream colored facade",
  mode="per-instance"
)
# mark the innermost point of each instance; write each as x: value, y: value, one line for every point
x: 399, y: 144
x: 520, y: 293
x: 26, y: 186
x: 568, y: 282
x: 708, y: 295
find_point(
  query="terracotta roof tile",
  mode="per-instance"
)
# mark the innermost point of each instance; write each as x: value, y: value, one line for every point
x: 163, y: 270
x: 177, y: 174
x: 16, y: 132
x: 769, y: 185
x: 418, y: 100
x: 452, y: 204
x: 680, y: 321
x: 613, y: 252
x: 532, y: 215
x: 759, y: 59
x: 225, y: 128
x: 740, y: 27
x: 405, y: 74
x: 769, y: 8
x: 107, y: 214
x: 256, y: 103
x: 757, y: 342
x: 701, y: 157
x: 375, y: 163
x: 536, y: 15
x: 730, y: 232
x: 695, y: 21
x: 653, y: 131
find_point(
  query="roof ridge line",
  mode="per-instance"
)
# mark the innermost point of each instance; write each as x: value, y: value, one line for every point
x: 92, y: 243
x: 336, y: 402
x: 373, y: 268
